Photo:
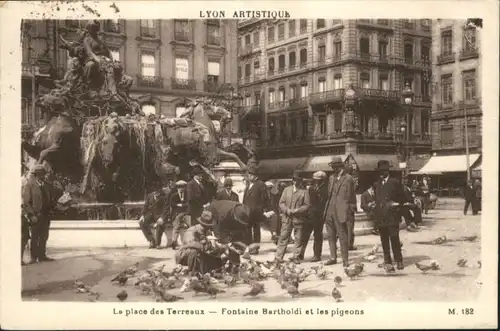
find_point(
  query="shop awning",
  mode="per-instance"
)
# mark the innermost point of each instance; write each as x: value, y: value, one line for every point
x: 368, y: 162
x: 447, y: 163
x: 281, y: 166
x: 320, y: 163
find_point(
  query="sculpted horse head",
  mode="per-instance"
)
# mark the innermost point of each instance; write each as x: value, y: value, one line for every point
x: 112, y: 142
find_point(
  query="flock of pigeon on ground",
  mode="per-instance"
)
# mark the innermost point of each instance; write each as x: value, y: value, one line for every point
x: 159, y: 280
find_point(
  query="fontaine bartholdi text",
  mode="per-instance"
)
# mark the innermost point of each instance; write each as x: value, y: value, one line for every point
x: 245, y: 14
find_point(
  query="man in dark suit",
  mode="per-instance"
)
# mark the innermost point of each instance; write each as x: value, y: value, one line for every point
x: 226, y: 193
x: 470, y: 197
x: 274, y: 220
x: 478, y: 188
x: 255, y: 197
x: 155, y: 213
x: 389, y: 197
x: 197, y: 195
x: 339, y: 211
x: 318, y: 193
x: 368, y: 206
x: 38, y: 204
x: 410, y: 211
x: 179, y: 206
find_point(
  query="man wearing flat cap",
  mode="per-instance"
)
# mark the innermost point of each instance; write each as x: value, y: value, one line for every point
x: 255, y: 197
x: 389, y: 197
x: 179, y: 206
x: 37, y: 206
x: 226, y: 192
x: 339, y: 211
x: 318, y: 193
x: 197, y: 194
x: 294, y: 204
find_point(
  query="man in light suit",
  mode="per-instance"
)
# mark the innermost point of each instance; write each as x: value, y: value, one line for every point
x: 339, y: 211
x: 294, y: 204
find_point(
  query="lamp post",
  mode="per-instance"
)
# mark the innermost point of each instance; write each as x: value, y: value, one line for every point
x: 466, y: 132
x: 408, y: 100
x: 350, y: 102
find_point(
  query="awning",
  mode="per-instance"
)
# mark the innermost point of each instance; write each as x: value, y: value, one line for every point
x: 478, y: 167
x: 320, y: 163
x: 281, y: 166
x: 447, y: 163
x: 368, y: 162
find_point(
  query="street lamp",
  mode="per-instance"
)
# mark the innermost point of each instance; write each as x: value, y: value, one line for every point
x: 350, y: 101
x: 407, y: 94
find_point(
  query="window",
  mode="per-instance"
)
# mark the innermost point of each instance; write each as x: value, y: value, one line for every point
x: 365, y: 80
x: 424, y: 122
x: 337, y: 49
x: 303, y: 57
x: 148, y: 65
x: 239, y: 73
x: 293, y: 128
x: 270, y: 34
x: 148, y: 28
x: 364, y: 47
x: 337, y: 121
x: 213, y: 72
x: 383, y: 22
x: 335, y: 22
x: 256, y: 39
x: 256, y: 65
x: 322, y: 124
x: 181, y: 30
x: 293, y: 92
x: 470, y: 39
x: 272, y: 130
x: 271, y: 65
x: 291, y: 60
x: 281, y: 94
x: 383, y: 82
x: 247, y: 39
x: 337, y: 81
x: 383, y: 121
x: 213, y: 34
x: 115, y: 54
x: 408, y: 53
x: 179, y: 110
x: 291, y: 28
x: 281, y: 31
x: 304, y: 91
x: 447, y: 89
x: 424, y: 90
x: 446, y: 43
x: 149, y: 109
x: 303, y: 26
x: 305, y: 127
x: 283, y: 131
x: 248, y: 70
x: 471, y: 134
x: 469, y: 79
x: 426, y: 24
x: 248, y: 100
x: 446, y: 135
x: 281, y: 63
x: 320, y: 24
x: 256, y: 98
x: 364, y: 120
x: 425, y: 53
x: 272, y: 96
x: 321, y: 53
x: 382, y: 49
x: 321, y: 85
x: 408, y: 81
x: 408, y: 24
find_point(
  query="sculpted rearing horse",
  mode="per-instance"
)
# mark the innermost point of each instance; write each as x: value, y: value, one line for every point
x: 204, y: 113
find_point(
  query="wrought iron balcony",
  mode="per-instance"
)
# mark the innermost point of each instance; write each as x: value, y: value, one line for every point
x: 327, y: 96
x: 378, y: 135
x: 378, y: 94
x: 181, y: 36
x: 183, y: 84
x: 446, y: 58
x: 469, y: 53
x: 214, y: 40
x: 149, y: 81
x: 292, y: 103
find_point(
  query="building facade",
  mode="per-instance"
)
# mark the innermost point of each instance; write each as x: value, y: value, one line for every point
x: 316, y: 88
x: 456, y: 109
x: 169, y: 60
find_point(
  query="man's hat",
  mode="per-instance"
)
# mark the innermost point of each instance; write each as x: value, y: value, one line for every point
x: 197, y: 171
x: 241, y: 214
x: 180, y: 183
x: 206, y: 218
x: 383, y: 165
x: 38, y: 169
x: 336, y: 162
x: 319, y: 175
x: 252, y: 170
x: 228, y: 182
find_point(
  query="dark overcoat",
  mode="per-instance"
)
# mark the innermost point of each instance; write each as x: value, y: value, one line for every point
x: 385, y: 195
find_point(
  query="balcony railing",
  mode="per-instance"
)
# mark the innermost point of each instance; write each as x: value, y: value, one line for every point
x: 327, y: 96
x: 369, y: 93
x: 214, y: 40
x: 181, y: 36
x: 149, y: 81
x: 148, y: 32
x: 211, y: 87
x: 469, y: 53
x: 183, y: 84
x: 446, y: 58
x: 292, y: 103
x: 422, y: 100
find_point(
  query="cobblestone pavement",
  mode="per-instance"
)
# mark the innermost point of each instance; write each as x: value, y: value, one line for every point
x: 53, y: 281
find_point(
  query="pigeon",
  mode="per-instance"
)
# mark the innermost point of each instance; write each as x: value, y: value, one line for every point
x: 336, y: 294
x: 167, y: 297
x: 255, y: 289
x: 462, y: 263
x: 145, y: 288
x: 353, y: 270
x: 213, y: 291
x: 292, y: 290
x: 122, y: 296
x: 132, y: 270
x: 439, y: 241
x: 424, y: 267
x: 337, y: 280
x: 144, y: 278
x: 121, y: 278
x: 370, y: 258
x: 321, y: 272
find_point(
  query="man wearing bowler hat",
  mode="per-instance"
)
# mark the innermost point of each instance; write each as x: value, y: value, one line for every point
x: 389, y: 197
x: 179, y: 205
x: 197, y: 195
x: 226, y: 193
x: 339, y: 211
